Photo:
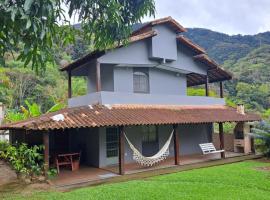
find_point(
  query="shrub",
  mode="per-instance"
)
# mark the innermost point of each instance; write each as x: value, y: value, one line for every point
x: 24, y: 160
x: 52, y: 173
x: 261, y: 132
x: 3, y: 145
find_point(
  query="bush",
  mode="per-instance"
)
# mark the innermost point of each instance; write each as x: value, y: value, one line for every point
x: 24, y: 160
x: 261, y: 132
x: 52, y: 173
x: 3, y: 146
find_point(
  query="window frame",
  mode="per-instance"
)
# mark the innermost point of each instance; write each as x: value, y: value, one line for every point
x: 143, y: 72
x: 112, y: 152
x: 147, y: 137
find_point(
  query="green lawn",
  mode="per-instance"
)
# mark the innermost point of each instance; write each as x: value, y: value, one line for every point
x: 231, y: 181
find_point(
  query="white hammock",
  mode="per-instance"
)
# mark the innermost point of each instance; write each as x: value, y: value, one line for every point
x: 161, y: 155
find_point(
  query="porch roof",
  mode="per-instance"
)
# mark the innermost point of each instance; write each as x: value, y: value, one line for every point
x: 123, y: 115
x: 215, y: 72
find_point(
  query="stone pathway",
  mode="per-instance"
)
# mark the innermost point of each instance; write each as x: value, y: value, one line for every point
x: 7, y: 175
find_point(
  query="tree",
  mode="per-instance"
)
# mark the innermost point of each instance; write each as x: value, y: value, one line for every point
x: 37, y: 24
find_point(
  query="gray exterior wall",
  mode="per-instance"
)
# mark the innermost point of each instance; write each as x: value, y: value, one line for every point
x: 164, y: 45
x: 160, y: 81
x: 186, y: 62
x: 190, y: 137
x: 136, y: 53
x: 168, y: 62
x: 107, y: 78
x: 87, y: 141
x: 91, y: 80
x: 123, y: 79
x: 166, y: 82
x: 136, y: 98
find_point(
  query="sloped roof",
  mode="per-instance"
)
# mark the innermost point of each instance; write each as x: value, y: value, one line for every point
x: 215, y: 72
x: 178, y: 28
x: 144, y: 31
x: 97, y: 54
x: 184, y: 40
x: 124, y: 115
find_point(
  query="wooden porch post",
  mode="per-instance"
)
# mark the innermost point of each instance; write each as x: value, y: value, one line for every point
x: 121, y: 151
x: 69, y: 85
x: 176, y: 144
x: 46, y: 151
x: 98, y: 80
x: 207, y: 85
x: 221, y: 138
x: 221, y: 89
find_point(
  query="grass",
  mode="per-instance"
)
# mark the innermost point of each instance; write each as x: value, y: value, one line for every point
x: 232, y: 181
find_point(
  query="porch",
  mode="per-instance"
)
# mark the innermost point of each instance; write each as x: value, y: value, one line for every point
x: 86, y: 175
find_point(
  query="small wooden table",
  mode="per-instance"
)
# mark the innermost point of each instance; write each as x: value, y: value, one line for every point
x: 67, y: 159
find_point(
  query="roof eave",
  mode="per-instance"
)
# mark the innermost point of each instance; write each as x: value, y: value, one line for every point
x: 98, y: 54
x: 198, y: 49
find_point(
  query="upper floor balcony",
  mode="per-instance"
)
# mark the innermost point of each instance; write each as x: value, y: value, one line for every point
x: 141, y: 85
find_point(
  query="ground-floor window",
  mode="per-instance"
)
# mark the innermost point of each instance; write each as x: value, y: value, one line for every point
x: 111, y: 142
x: 150, y: 134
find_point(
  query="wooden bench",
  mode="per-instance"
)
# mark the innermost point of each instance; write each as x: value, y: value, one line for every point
x: 208, y: 148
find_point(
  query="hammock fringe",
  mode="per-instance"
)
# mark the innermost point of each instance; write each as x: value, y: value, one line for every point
x: 161, y: 155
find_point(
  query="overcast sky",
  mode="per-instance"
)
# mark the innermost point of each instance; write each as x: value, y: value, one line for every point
x: 227, y: 16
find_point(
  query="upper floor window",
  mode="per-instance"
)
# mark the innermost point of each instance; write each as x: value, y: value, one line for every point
x: 140, y: 81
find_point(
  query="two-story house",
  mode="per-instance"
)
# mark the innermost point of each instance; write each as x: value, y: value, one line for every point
x: 137, y: 100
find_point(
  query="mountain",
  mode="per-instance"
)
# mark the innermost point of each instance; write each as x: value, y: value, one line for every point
x: 247, y: 57
x: 222, y: 47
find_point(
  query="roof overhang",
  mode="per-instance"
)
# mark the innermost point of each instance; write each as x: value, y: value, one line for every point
x: 187, y: 42
x: 178, y: 28
x: 215, y: 72
x: 97, y: 54
x: 127, y: 115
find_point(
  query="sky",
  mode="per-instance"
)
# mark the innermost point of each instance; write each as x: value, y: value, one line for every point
x: 227, y: 16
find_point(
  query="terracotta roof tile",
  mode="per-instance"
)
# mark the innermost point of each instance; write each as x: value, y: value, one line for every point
x: 166, y: 20
x: 123, y: 115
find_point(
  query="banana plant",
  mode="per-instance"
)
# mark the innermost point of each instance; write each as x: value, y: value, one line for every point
x: 28, y: 111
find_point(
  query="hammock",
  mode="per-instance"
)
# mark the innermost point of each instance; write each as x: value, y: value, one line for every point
x: 150, y: 161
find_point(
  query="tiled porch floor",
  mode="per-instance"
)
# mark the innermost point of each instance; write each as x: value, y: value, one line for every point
x: 87, y: 174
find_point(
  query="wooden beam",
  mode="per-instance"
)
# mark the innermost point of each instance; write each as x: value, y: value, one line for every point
x: 221, y: 138
x: 121, y: 156
x: 69, y: 85
x: 207, y: 85
x: 98, y: 79
x: 46, y: 151
x: 176, y: 144
x: 221, y: 89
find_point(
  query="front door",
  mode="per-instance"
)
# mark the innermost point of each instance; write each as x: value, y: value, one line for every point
x: 112, y: 146
x: 150, y: 143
